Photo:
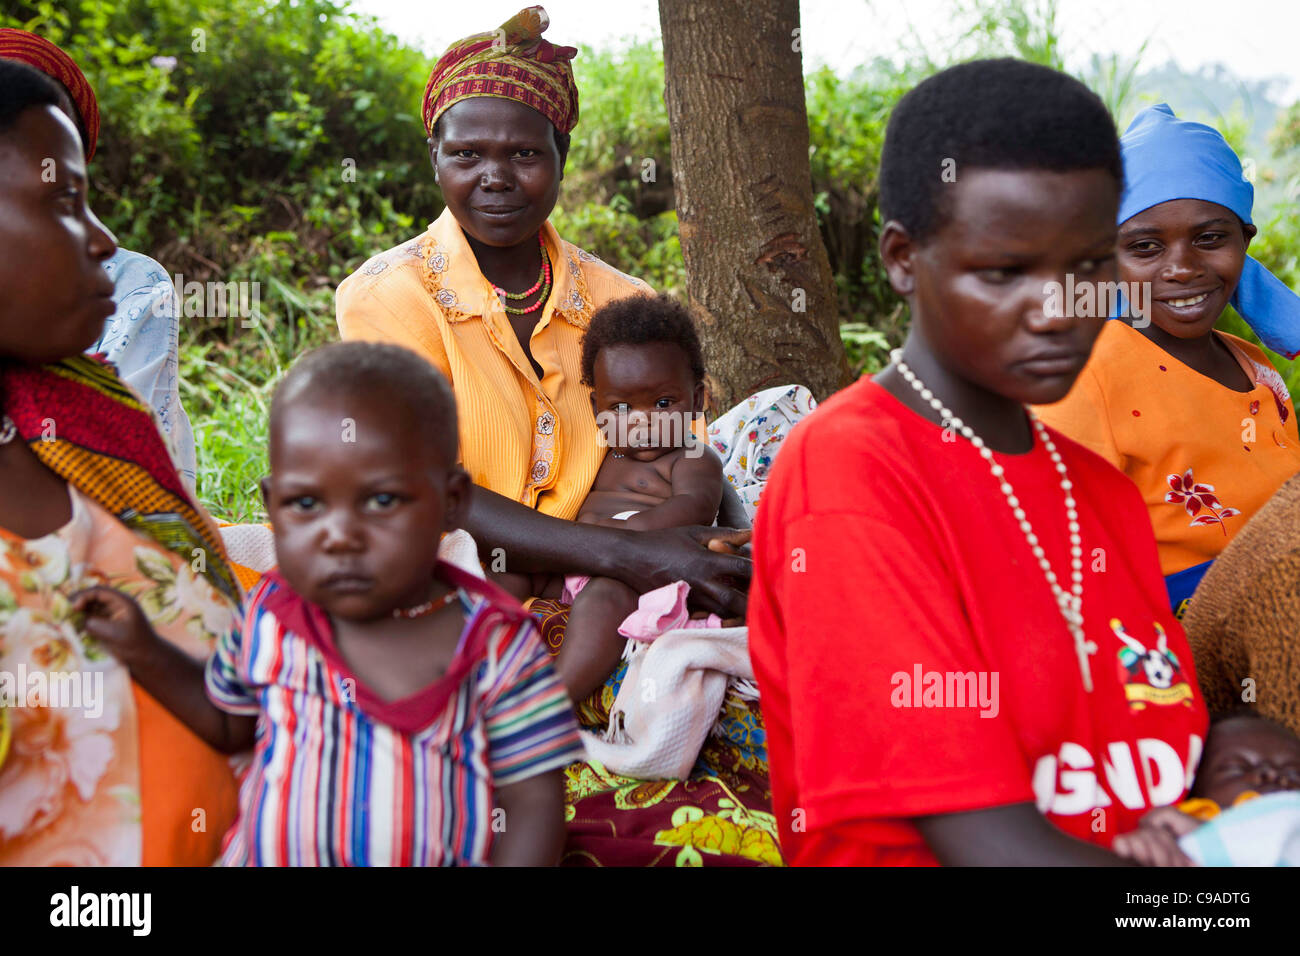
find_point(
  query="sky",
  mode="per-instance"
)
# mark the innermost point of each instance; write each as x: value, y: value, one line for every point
x: 1256, y: 39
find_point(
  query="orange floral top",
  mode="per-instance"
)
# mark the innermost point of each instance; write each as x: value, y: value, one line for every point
x: 93, y: 771
x: 1205, y: 457
x: 532, y: 440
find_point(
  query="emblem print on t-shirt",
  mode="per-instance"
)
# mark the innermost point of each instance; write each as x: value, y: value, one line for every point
x: 1150, y: 675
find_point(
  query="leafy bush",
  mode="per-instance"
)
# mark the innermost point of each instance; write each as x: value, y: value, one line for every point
x: 223, y: 122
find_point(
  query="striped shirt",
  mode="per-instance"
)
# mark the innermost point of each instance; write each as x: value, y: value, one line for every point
x: 338, y: 778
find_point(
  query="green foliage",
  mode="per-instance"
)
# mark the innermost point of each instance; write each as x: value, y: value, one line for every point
x: 847, y: 117
x: 867, y: 347
x: 612, y: 232
x: 226, y: 386
x: 1025, y: 29
x: 623, y: 122
x: 222, y: 122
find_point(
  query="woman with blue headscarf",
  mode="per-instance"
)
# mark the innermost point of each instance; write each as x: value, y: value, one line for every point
x: 1199, y: 419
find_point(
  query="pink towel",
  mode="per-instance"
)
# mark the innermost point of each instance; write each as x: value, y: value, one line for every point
x: 669, y: 701
x: 658, y: 611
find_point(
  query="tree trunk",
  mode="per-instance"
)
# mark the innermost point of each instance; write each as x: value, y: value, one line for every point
x: 757, y: 274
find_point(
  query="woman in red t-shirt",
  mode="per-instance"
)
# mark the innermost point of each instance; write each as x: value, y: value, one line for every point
x: 957, y: 617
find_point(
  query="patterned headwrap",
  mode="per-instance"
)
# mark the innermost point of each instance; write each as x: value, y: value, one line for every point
x: 512, y: 62
x: 39, y: 52
x: 106, y: 444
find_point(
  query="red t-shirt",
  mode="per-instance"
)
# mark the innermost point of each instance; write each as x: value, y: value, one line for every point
x: 911, y: 656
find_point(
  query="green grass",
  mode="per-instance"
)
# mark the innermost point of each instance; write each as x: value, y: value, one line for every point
x: 226, y: 386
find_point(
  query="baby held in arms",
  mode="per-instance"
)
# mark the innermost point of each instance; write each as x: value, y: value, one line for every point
x: 1246, y: 757
x: 642, y: 359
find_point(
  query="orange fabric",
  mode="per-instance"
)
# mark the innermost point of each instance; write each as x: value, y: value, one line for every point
x: 106, y: 776
x: 179, y: 775
x: 533, y: 441
x: 247, y: 577
x: 1201, y: 808
x: 1158, y: 420
x: 109, y: 447
x: 1205, y: 809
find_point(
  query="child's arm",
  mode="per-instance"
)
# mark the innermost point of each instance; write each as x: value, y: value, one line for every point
x: 731, y: 513
x: 170, y: 676
x: 533, y: 833
x: 697, y: 492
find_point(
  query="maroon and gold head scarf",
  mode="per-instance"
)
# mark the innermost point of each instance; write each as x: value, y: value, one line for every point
x: 92, y: 431
x: 40, y: 53
x: 512, y: 62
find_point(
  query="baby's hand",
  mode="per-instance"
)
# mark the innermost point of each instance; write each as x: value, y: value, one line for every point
x: 1150, y: 848
x: 116, y: 622
x: 732, y: 542
x: 1155, y: 841
x: 1170, y: 819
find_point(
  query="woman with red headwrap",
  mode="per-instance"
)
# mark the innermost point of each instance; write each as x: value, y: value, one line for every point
x: 493, y: 297
x: 140, y: 337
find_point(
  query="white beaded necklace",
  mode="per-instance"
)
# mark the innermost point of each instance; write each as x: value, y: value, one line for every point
x: 1070, y: 604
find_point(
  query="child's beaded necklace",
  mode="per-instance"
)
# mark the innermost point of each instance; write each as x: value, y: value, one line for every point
x: 1069, y: 604
x: 427, y: 608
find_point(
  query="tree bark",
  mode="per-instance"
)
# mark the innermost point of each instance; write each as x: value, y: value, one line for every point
x: 757, y: 274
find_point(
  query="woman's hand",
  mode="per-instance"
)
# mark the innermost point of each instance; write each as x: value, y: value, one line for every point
x: 116, y: 622
x: 708, y: 559
x: 1150, y: 848
x: 533, y: 542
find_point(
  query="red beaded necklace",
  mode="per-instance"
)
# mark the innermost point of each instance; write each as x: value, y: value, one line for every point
x: 543, y: 282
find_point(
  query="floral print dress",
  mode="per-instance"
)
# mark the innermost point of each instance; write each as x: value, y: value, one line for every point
x: 92, y: 770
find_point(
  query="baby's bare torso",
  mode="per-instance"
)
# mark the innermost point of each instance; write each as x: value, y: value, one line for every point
x: 626, y: 484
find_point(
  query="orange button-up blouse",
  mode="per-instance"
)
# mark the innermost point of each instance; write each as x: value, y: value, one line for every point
x: 533, y: 441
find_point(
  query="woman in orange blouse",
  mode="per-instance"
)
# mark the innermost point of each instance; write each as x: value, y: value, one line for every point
x: 1199, y: 419
x: 93, y: 771
x: 499, y: 302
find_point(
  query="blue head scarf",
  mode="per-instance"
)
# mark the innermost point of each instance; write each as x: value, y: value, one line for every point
x: 1167, y: 158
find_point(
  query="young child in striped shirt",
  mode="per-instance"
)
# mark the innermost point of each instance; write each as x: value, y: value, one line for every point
x: 400, y: 710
